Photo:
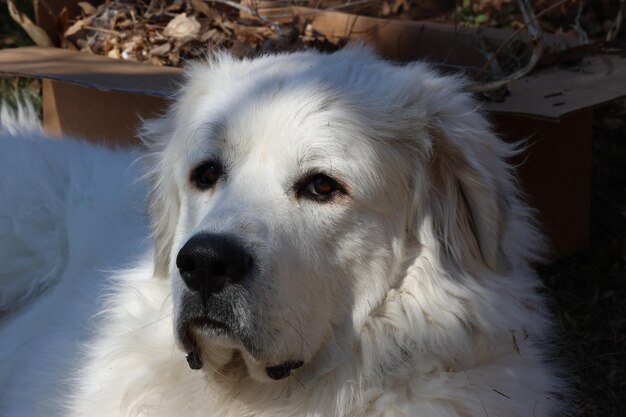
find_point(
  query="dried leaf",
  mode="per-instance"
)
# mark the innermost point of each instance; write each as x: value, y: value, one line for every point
x: 174, y: 58
x: 114, y: 53
x: 161, y: 50
x: 211, y: 34
x: 385, y: 9
x: 37, y: 34
x: 125, y: 24
x: 201, y: 7
x: 395, y: 6
x: 136, y: 30
x: 63, y: 20
x: 175, y: 6
x: 182, y: 27
x: 78, y: 26
x: 87, y: 8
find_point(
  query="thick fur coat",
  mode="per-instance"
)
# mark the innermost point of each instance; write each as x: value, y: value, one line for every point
x: 389, y: 255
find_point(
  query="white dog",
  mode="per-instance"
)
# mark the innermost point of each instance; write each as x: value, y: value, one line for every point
x: 333, y: 235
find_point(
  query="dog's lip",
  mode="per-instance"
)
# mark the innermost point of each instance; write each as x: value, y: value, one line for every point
x: 208, y: 323
x: 282, y: 370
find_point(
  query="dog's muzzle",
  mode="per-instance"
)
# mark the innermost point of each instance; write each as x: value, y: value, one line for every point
x: 212, y: 267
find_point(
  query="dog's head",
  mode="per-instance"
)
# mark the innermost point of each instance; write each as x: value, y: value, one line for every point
x: 290, y: 192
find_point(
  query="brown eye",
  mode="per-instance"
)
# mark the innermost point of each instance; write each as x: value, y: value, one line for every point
x: 319, y: 187
x: 206, y: 175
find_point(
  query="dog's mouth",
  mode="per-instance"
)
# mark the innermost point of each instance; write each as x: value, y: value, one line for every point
x: 190, y: 333
x: 194, y: 356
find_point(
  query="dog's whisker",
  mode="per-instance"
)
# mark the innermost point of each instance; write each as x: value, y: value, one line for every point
x: 280, y: 394
x: 152, y: 323
x: 297, y: 379
x: 298, y: 330
x: 165, y: 300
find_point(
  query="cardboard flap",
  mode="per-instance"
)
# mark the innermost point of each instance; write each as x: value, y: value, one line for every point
x: 557, y: 92
x: 88, y: 70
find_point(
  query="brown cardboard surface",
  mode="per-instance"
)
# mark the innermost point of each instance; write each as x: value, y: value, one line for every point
x: 94, y: 71
x: 555, y: 173
x: 110, y: 118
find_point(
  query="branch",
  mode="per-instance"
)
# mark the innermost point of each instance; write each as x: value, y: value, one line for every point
x: 527, y: 23
x: 616, y: 26
x: 245, y: 9
x: 535, y: 32
x: 582, y: 35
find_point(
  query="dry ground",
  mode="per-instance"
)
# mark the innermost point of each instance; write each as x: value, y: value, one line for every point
x: 589, y: 289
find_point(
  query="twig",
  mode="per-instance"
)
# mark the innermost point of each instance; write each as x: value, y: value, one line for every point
x: 103, y: 30
x: 202, y: 7
x: 245, y: 9
x: 582, y: 35
x: 515, y: 34
x: 616, y: 26
x: 495, y: 66
x: 348, y: 4
x: 326, y: 9
x: 535, y: 32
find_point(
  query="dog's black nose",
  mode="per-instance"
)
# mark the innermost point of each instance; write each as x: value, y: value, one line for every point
x: 208, y: 262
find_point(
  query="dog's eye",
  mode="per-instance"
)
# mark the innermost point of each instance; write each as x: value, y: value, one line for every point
x: 206, y: 175
x: 319, y: 187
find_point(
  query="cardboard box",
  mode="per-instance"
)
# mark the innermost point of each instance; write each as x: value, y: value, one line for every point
x: 103, y: 100
x: 90, y: 96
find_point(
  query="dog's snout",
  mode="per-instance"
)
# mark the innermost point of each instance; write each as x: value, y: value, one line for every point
x: 208, y: 262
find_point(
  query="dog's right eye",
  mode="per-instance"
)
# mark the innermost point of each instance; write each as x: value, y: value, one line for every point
x: 206, y: 175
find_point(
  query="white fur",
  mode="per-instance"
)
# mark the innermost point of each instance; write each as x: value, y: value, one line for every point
x: 412, y: 295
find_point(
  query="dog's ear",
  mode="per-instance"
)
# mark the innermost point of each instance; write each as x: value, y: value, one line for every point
x: 163, y: 198
x: 467, y: 199
x: 469, y: 186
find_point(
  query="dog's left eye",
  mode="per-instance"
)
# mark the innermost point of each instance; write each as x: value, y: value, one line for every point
x: 319, y: 187
x: 206, y: 175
